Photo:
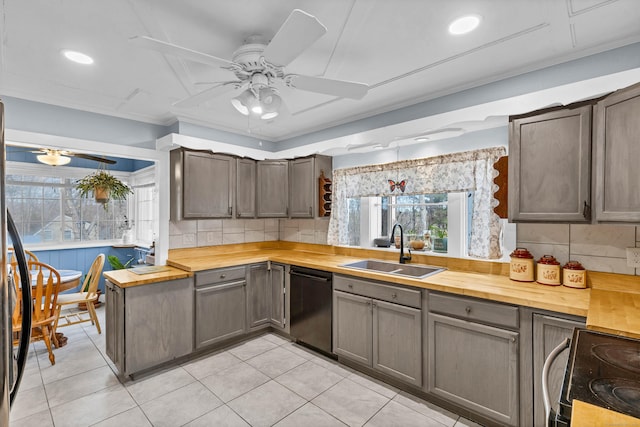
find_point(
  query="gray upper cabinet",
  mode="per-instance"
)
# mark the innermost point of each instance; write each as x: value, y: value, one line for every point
x: 301, y: 187
x: 617, y: 155
x: 548, y: 332
x: 202, y: 185
x: 549, y: 166
x: 303, y: 184
x: 272, y: 189
x: 245, y: 188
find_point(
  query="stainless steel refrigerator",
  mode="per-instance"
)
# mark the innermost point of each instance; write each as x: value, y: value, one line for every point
x: 11, y: 362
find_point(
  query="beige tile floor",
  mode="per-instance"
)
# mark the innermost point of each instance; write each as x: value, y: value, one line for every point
x: 266, y: 381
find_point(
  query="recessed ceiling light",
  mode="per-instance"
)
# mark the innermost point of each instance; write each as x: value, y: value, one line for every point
x: 464, y: 24
x: 77, y: 57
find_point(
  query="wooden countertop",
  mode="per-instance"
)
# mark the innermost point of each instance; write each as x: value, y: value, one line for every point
x: 585, y: 414
x: 495, y: 287
x: 127, y: 278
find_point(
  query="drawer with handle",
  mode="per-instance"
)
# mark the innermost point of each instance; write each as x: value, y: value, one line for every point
x: 220, y: 275
x: 395, y: 294
x: 474, y: 310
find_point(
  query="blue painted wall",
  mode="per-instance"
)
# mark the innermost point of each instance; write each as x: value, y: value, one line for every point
x: 25, y: 155
x: 81, y: 258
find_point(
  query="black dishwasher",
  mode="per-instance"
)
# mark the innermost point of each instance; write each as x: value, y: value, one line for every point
x: 311, y: 297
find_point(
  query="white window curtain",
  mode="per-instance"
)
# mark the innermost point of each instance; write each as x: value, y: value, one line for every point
x: 466, y: 171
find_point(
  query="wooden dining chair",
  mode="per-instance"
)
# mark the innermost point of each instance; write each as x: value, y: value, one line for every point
x: 88, y: 296
x: 45, y: 285
x: 30, y: 256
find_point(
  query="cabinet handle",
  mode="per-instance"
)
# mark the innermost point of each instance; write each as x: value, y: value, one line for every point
x: 350, y: 285
x: 230, y: 210
x: 394, y: 295
x: 222, y: 276
x: 586, y: 210
x: 374, y: 304
x: 468, y: 310
x: 310, y: 210
x: 513, y: 339
x: 368, y: 302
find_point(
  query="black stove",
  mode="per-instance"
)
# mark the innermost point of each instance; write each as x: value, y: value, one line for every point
x: 603, y: 370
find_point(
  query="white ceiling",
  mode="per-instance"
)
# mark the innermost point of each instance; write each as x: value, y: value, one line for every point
x: 400, y: 48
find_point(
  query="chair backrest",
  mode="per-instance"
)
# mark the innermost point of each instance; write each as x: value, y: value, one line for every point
x: 13, y: 260
x: 45, y: 286
x: 92, y: 278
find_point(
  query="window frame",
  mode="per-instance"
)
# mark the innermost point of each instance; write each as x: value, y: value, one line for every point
x: 33, y: 169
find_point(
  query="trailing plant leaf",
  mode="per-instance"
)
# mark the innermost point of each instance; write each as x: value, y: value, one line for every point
x: 102, y: 179
x: 116, y: 264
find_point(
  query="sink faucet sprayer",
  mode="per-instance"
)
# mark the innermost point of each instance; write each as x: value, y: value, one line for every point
x: 403, y: 258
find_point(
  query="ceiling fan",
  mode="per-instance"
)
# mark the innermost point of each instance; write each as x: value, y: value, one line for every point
x: 259, y: 67
x: 55, y: 157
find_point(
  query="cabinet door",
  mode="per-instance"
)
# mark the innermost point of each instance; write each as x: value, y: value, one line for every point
x: 277, y: 296
x: 220, y: 312
x: 548, y: 332
x: 158, y: 323
x: 246, y: 188
x: 208, y: 184
x: 258, y: 295
x: 617, y: 156
x: 549, y: 166
x: 301, y: 188
x: 272, y: 190
x: 352, y: 327
x: 474, y: 366
x: 114, y: 324
x: 397, y: 341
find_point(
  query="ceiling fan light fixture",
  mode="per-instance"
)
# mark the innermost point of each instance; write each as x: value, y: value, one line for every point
x: 464, y: 24
x: 242, y: 102
x: 77, y: 57
x: 271, y: 103
x: 53, y: 159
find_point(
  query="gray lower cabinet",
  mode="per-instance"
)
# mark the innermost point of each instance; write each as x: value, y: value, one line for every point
x: 258, y: 295
x: 266, y: 296
x: 548, y: 332
x: 473, y: 355
x: 148, y: 325
x: 220, y: 305
x: 378, y: 334
x: 278, y: 296
x: 352, y: 327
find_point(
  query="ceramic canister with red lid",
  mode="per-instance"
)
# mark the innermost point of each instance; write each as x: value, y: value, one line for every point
x: 521, y: 266
x: 574, y: 275
x: 548, y: 271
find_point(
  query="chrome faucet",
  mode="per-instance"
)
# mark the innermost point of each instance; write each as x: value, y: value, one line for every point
x: 403, y: 259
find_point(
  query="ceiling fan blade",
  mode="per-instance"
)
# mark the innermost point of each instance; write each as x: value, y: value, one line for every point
x: 183, y: 52
x: 94, y: 158
x: 341, y: 88
x: 205, y: 95
x: 298, y: 32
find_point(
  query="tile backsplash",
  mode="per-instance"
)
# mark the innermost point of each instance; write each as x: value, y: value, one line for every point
x: 597, y: 247
x: 212, y: 232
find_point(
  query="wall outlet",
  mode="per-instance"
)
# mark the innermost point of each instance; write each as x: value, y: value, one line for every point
x: 633, y: 257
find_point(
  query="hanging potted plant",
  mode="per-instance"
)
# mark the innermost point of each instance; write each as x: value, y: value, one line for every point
x: 103, y: 186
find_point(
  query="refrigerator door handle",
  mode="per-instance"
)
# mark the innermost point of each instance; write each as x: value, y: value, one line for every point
x: 25, y: 283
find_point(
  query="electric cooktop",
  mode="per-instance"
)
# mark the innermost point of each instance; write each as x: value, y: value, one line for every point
x: 603, y: 370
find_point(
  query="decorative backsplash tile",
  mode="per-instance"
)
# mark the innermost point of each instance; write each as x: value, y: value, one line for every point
x: 212, y: 232
x: 598, y: 247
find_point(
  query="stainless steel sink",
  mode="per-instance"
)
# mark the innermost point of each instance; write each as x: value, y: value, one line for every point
x: 409, y: 270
